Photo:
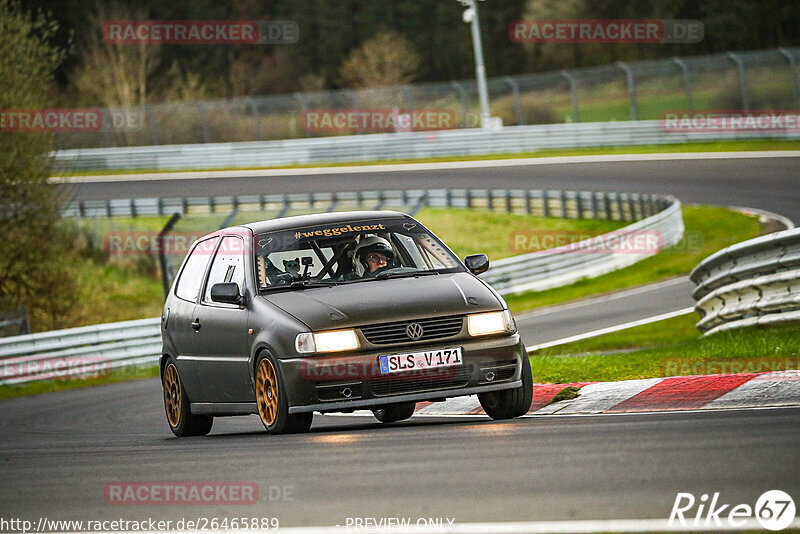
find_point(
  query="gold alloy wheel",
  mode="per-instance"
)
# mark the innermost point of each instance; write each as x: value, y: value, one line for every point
x: 172, y: 395
x: 267, y: 391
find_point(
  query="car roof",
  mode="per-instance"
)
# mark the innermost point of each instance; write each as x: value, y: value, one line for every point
x: 315, y: 219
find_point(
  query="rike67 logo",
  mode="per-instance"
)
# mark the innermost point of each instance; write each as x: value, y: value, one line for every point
x: 773, y: 510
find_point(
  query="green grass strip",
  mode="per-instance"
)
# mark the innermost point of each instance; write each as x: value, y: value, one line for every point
x: 672, y: 347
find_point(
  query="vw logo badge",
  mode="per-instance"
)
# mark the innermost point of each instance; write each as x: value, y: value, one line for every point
x: 414, y: 331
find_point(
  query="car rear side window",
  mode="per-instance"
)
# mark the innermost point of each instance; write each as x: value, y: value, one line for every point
x: 188, y: 287
x: 228, y: 265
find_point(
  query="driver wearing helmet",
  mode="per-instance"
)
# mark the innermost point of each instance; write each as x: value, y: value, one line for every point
x: 372, y: 255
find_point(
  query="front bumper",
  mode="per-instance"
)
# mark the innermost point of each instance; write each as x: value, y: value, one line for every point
x: 330, y: 383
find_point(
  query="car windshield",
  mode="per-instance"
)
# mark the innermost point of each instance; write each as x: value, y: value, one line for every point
x: 350, y: 252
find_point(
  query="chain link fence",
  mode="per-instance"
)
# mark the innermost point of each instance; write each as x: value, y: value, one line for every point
x: 756, y: 80
x: 15, y: 323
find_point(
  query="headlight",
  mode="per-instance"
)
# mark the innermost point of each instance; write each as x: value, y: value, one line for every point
x: 482, y: 324
x: 332, y: 341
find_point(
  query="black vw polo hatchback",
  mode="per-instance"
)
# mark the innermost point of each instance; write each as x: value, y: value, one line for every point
x: 332, y: 313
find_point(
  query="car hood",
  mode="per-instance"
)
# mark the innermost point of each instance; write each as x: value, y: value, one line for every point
x: 382, y: 301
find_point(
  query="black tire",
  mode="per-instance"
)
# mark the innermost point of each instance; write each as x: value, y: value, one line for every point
x: 273, y: 403
x: 180, y: 419
x: 510, y: 403
x: 395, y: 412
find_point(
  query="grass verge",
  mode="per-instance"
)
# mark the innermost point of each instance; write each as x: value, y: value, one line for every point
x: 48, y: 386
x: 717, y: 146
x: 492, y: 233
x: 708, y: 229
x: 672, y: 347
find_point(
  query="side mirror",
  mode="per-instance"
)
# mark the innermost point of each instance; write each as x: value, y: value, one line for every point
x: 477, y: 263
x: 227, y: 293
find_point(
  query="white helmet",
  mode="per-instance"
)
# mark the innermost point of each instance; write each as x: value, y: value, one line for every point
x: 368, y: 245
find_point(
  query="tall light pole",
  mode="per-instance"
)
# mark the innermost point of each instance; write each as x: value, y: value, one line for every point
x: 471, y: 17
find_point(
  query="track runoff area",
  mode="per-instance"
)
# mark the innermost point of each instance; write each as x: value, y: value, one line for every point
x: 759, y: 392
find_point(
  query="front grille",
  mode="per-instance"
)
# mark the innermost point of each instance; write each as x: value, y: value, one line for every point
x: 395, y: 333
x: 408, y: 383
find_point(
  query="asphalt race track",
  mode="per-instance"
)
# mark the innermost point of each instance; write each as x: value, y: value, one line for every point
x: 58, y: 451
x: 587, y: 315
x: 765, y: 183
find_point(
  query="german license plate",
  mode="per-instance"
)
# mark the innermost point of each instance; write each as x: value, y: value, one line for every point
x: 397, y: 363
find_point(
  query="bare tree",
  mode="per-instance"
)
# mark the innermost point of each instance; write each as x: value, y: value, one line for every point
x: 548, y: 54
x: 115, y: 75
x: 311, y: 83
x: 253, y: 72
x: 386, y: 59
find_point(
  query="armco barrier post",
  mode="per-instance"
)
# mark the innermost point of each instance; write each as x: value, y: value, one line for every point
x: 631, y: 89
x: 162, y: 260
x: 573, y: 95
x: 686, y: 82
x: 462, y: 95
x: 545, y: 203
x: 742, y: 79
x: 793, y: 69
x: 254, y: 111
x: 517, y: 101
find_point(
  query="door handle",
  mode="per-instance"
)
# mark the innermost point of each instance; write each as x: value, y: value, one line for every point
x: 196, y: 324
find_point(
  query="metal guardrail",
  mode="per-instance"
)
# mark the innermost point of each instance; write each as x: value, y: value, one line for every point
x: 537, y: 202
x: 358, y: 148
x: 75, y: 352
x: 103, y: 347
x: 756, y: 282
x: 561, y: 266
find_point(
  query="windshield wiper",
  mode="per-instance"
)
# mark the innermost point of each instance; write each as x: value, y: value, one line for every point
x: 301, y: 284
x: 383, y: 276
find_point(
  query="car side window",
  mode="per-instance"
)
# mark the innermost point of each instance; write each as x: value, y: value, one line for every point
x: 228, y: 266
x: 191, y: 278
